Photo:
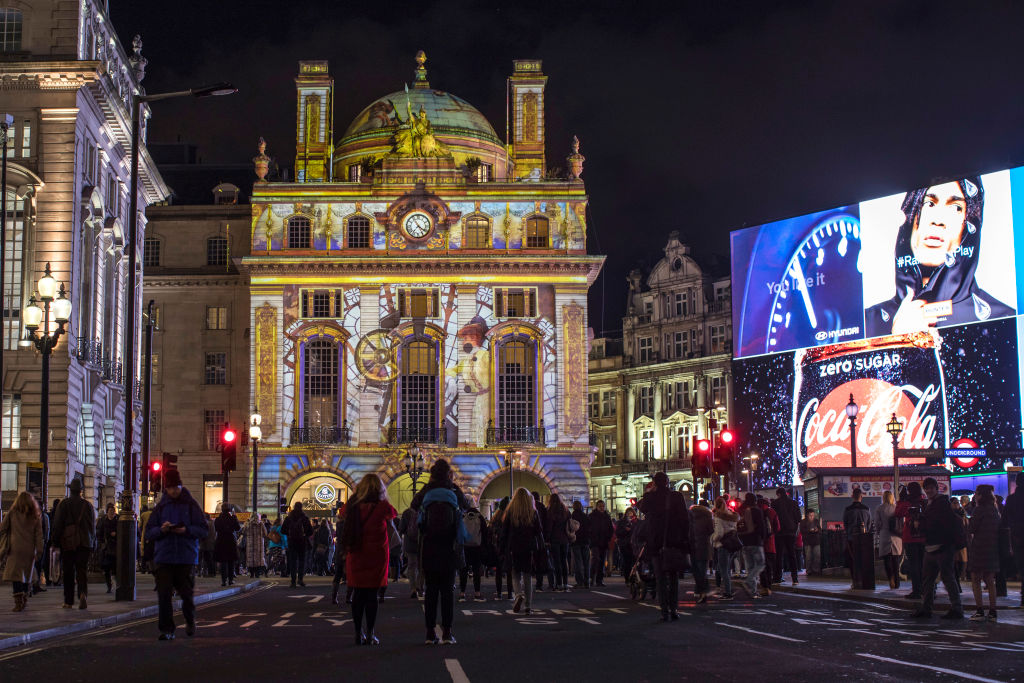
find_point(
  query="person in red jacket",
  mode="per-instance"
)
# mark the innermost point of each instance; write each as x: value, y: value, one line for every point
x: 365, y: 539
x: 910, y: 510
x: 771, y: 519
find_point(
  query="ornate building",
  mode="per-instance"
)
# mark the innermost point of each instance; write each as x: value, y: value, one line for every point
x: 666, y: 381
x: 68, y: 83
x: 420, y: 283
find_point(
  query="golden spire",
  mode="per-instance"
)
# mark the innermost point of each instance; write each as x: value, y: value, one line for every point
x: 421, y: 71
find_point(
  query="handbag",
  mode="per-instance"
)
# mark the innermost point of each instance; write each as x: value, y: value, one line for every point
x: 731, y: 541
x: 672, y: 559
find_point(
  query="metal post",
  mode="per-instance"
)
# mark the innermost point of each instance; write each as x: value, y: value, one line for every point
x: 511, y: 488
x: 853, y: 440
x: 6, y: 120
x: 895, y: 468
x: 44, y: 403
x: 224, y: 489
x: 255, y: 471
x: 147, y: 397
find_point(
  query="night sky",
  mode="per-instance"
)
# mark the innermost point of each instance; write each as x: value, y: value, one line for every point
x: 701, y: 117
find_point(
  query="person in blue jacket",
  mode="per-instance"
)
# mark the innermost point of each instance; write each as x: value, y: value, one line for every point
x: 175, y: 527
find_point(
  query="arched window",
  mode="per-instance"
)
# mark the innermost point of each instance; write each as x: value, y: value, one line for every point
x: 477, y: 233
x: 14, y: 261
x: 320, y: 383
x: 151, y: 253
x: 10, y: 30
x: 417, y: 391
x: 516, y: 399
x: 299, y: 234
x: 217, y: 251
x: 358, y: 232
x: 537, y: 232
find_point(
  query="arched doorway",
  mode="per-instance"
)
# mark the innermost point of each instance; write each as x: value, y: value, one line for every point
x: 400, y: 490
x: 319, y: 492
x: 498, y: 488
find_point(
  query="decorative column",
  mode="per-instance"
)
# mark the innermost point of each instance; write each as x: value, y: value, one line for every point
x: 621, y: 424
x: 659, y: 438
x: 699, y: 382
x: 630, y: 416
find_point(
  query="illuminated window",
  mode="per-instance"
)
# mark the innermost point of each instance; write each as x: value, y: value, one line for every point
x: 647, y: 444
x: 594, y: 404
x: 717, y: 338
x: 515, y: 303
x: 151, y: 253
x: 217, y: 251
x: 13, y: 258
x: 418, y: 303
x: 610, y: 449
x: 417, y: 391
x: 355, y: 173
x: 9, y: 478
x: 216, y: 317
x: 216, y: 368
x: 718, y: 391
x: 213, y: 421
x: 322, y: 303
x: 537, y: 232
x: 645, y: 349
x: 11, y: 432
x: 10, y: 30
x: 607, y: 403
x: 646, y: 399
x: 26, y: 138
x: 359, y: 232
x: 483, y: 173
x: 516, y: 388
x: 320, y: 383
x: 477, y: 233
x: 299, y: 234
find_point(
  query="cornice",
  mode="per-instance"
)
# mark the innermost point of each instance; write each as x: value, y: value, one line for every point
x: 177, y: 282
x: 56, y: 75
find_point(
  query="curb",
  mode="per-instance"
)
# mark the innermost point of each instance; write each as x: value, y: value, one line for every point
x: 869, y: 596
x: 114, y: 619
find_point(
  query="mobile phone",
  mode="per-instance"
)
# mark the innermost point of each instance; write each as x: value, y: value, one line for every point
x: 179, y: 525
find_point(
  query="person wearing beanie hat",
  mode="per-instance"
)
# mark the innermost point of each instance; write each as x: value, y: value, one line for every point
x: 175, y: 527
x: 1013, y: 519
x: 74, y: 528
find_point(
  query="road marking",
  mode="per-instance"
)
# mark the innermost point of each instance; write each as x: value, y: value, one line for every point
x: 929, y: 667
x: 888, y: 608
x: 760, y: 633
x: 611, y: 595
x: 455, y: 671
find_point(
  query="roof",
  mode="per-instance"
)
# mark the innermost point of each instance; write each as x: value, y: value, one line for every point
x: 447, y: 113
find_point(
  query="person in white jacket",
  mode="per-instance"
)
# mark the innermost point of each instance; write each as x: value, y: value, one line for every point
x: 888, y: 541
x: 724, y: 521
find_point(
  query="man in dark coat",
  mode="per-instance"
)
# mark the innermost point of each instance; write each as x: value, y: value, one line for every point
x: 75, y: 511
x: 601, y: 532
x: 1013, y: 519
x: 788, y: 512
x: 943, y: 535
x: 225, y: 549
x: 668, y: 524
x: 298, y: 529
x: 581, y: 546
x: 175, y: 527
x: 859, y: 543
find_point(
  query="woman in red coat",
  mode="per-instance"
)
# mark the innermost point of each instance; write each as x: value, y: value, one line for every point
x: 365, y: 539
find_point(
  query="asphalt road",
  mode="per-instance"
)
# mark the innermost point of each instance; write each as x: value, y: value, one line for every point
x: 281, y: 634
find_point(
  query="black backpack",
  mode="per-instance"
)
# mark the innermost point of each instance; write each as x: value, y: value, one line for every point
x: 438, y: 522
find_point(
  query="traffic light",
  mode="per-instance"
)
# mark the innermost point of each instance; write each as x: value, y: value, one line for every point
x: 156, y: 476
x: 632, y: 502
x: 282, y: 505
x: 170, y: 461
x: 725, y: 451
x: 701, y: 460
x: 734, y: 503
x: 228, y: 449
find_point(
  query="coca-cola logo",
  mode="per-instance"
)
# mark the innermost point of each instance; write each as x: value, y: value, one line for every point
x: 823, y: 427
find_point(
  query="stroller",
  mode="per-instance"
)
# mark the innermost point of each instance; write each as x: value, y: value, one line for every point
x: 642, y: 579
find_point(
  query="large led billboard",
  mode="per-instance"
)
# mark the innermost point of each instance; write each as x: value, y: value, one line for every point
x: 908, y: 303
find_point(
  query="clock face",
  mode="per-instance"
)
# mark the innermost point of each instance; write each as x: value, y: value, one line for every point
x: 813, y: 305
x: 417, y: 225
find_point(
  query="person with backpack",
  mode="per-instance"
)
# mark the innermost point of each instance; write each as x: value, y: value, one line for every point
x: 787, y: 511
x: 74, y: 529
x: 411, y: 548
x: 476, y: 532
x: 752, y: 533
x: 910, y: 509
x: 579, y: 526
x: 944, y: 535
x: 523, y: 538
x: 888, y: 537
x: 1013, y: 522
x: 557, y: 535
x: 668, y: 540
x: 299, y: 530
x: 442, y: 536
x: 810, y: 532
x: 859, y: 542
x: 365, y: 541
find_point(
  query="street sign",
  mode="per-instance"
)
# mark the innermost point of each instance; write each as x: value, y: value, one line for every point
x: 931, y: 456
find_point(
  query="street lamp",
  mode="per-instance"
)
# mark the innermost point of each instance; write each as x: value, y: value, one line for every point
x: 895, y: 428
x: 415, y: 464
x: 851, y: 411
x: 255, y: 433
x: 46, y: 343
x: 126, y: 523
x: 510, y: 458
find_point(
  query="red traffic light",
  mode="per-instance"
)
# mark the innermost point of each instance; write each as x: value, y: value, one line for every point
x: 734, y: 503
x: 156, y: 465
x: 703, y: 446
x: 229, y: 435
x: 726, y: 436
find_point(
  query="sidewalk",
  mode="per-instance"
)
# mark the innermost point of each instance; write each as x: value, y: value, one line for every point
x: 839, y: 587
x: 45, y: 618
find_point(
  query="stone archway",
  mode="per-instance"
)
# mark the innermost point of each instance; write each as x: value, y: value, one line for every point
x: 400, y: 490
x: 498, y: 487
x: 319, y: 492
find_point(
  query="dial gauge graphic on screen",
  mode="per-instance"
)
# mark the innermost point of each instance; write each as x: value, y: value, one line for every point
x: 417, y: 224
x: 819, y: 299
x: 375, y: 354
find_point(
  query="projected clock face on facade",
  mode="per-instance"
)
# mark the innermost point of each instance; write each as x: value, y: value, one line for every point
x: 417, y: 225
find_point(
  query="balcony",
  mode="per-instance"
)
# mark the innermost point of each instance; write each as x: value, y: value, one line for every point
x: 497, y: 436
x: 88, y: 351
x: 321, y: 435
x: 434, y: 435
x: 111, y: 370
x: 652, y: 466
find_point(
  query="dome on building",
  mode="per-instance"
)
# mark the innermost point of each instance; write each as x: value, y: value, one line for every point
x: 448, y: 114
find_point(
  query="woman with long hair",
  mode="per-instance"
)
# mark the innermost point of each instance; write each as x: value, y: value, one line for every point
x: 724, y: 521
x: 558, y: 536
x: 365, y: 540
x: 23, y: 528
x: 887, y: 541
x: 983, y: 556
x: 523, y: 537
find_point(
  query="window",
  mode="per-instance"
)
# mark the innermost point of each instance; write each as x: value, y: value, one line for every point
x: 299, y: 234
x: 213, y: 421
x: 217, y: 251
x: 417, y: 390
x: 477, y: 234
x: 680, y: 344
x: 151, y: 253
x: 515, y: 303
x: 594, y: 404
x: 216, y: 317
x: 355, y: 173
x: 322, y: 303
x: 359, y: 232
x: 645, y: 345
x: 26, y: 138
x: 646, y: 399
x: 717, y: 338
x: 320, y: 383
x: 718, y: 391
x: 216, y: 368
x: 516, y: 371
x: 681, y: 396
x: 607, y: 403
x: 9, y: 477
x: 13, y: 258
x: 681, y: 304
x: 10, y: 30
x: 537, y: 232
x: 483, y: 173
x: 647, y: 444
x: 610, y: 449
x: 418, y: 303
x: 155, y: 367
x: 10, y: 437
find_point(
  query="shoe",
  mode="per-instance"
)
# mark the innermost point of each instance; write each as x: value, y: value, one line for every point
x: 81, y: 602
x: 232, y: 583
x: 599, y: 584
x: 302, y: 583
x: 765, y: 592
x: 166, y: 636
x: 921, y: 614
x: 67, y: 606
x: 992, y: 615
x: 431, y: 638
x: 446, y: 636
x: 913, y: 596
x: 674, y: 616
x: 702, y: 598
x: 953, y: 614
x: 190, y: 628
x: 528, y: 611
x: 478, y: 597
x: 795, y: 582
x: 109, y: 588
x: 978, y: 616
x: 414, y: 595
x: 222, y: 585
x: 726, y: 596
x: 518, y: 605
x: 371, y: 640
x: 360, y: 639
x: 462, y: 597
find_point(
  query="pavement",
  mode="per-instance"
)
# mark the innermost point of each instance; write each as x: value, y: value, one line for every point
x: 45, y: 618
x: 278, y: 633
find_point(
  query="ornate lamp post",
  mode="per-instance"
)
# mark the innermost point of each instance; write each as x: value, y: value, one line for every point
x: 851, y: 412
x: 415, y: 464
x: 255, y: 434
x: 46, y: 343
x: 510, y: 459
x: 895, y: 428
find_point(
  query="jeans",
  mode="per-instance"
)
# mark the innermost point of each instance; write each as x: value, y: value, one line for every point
x: 812, y: 558
x: 598, y: 555
x: 478, y: 573
x: 440, y: 585
x: 227, y: 572
x: 524, y: 585
x: 297, y: 563
x: 74, y: 565
x: 723, y: 560
x: 171, y: 578
x: 700, y: 568
x: 914, y: 565
x: 753, y: 558
x: 936, y: 564
x: 560, y: 558
x: 785, y: 546
x: 581, y: 563
x: 668, y: 587
x: 412, y: 571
